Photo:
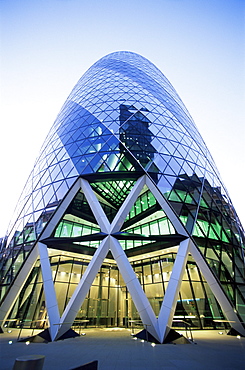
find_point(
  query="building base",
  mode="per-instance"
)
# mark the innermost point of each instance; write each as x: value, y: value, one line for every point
x: 176, y: 338
x: 145, y: 335
x: 44, y: 337
x: 173, y: 337
x: 234, y: 332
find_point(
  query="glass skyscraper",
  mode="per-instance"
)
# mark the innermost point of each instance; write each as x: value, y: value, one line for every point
x: 124, y: 217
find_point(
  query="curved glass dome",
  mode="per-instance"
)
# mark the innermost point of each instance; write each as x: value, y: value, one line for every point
x: 124, y: 120
x: 123, y: 95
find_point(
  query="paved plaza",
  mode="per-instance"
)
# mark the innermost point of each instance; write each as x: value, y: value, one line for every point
x: 115, y: 349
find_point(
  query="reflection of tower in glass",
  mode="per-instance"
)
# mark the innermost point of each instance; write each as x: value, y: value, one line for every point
x: 135, y: 137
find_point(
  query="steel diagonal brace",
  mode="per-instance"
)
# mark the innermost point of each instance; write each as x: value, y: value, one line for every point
x: 167, y: 310
x: 49, y: 290
x: 139, y: 298
x: 82, y: 288
x: 215, y: 287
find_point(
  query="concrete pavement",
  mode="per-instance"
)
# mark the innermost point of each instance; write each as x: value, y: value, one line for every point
x: 115, y: 349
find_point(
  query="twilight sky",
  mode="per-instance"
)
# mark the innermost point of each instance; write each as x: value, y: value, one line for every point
x: 46, y: 46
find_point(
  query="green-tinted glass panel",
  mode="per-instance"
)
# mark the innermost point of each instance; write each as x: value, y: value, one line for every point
x: 183, y: 219
x: 112, y: 193
x: 145, y: 201
x: 181, y: 194
x: 203, y: 225
x: 212, y: 234
x: 227, y: 262
x: 155, y: 224
x: 197, y: 230
x: 112, y: 161
x: 77, y: 230
x: 166, y: 227
x: 19, y: 238
x: 66, y: 229
x: 18, y: 262
x: 228, y: 289
x: 128, y: 244
x: 174, y: 197
x: 224, y: 237
x: 150, y: 199
x: 161, y: 226
x: 90, y: 244
x: 154, y: 227
x: 189, y: 199
x: 203, y: 203
x: 211, y: 254
x: 72, y: 229
x: 58, y: 229
x: 217, y: 227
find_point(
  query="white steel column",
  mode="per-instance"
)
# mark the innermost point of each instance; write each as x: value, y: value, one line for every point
x: 18, y: 283
x: 83, y: 287
x: 49, y: 291
x: 139, y: 298
x: 94, y: 204
x: 214, y: 285
x: 167, y: 310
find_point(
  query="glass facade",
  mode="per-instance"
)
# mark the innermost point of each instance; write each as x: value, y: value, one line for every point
x: 108, y: 302
x: 122, y: 121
